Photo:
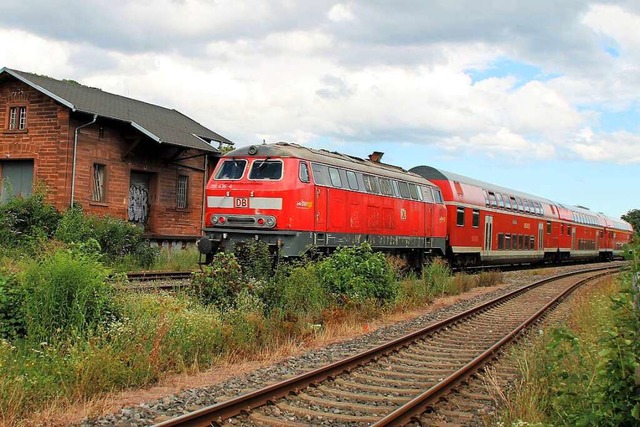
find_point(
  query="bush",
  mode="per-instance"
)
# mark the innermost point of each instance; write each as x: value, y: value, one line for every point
x: 220, y: 282
x: 358, y: 273
x: 489, y: 278
x: 302, y: 294
x: 66, y: 295
x: 12, y: 295
x: 435, y: 277
x: 254, y: 259
x: 119, y: 240
x: 25, y: 220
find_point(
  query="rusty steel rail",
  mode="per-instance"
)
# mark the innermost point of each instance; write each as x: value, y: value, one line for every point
x: 217, y: 413
x: 420, y: 403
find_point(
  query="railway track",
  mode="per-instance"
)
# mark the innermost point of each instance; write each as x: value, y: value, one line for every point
x: 399, y: 382
x: 158, y: 280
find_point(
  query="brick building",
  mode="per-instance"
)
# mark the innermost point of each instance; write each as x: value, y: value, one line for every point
x: 111, y: 154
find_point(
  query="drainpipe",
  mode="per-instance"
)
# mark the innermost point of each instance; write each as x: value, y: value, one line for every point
x: 75, y: 149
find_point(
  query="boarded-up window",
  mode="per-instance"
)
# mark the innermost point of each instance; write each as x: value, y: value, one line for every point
x: 99, y: 178
x: 182, y: 191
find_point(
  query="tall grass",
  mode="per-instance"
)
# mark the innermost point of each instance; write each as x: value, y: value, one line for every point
x: 582, y: 372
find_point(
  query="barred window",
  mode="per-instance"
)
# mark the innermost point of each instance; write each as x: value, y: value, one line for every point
x: 182, y: 191
x: 17, y: 118
x: 99, y: 175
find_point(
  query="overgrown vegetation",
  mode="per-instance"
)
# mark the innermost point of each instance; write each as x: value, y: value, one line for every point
x: 67, y: 334
x: 584, y: 372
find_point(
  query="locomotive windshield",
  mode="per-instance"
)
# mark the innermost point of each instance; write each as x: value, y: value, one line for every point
x: 231, y: 169
x: 266, y: 169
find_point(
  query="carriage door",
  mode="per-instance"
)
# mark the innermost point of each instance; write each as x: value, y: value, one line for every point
x: 488, y: 232
x: 573, y: 237
x: 541, y: 236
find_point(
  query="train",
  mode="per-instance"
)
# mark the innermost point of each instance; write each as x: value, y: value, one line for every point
x: 298, y: 199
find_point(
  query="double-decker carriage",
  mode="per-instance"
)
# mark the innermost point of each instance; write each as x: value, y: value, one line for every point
x: 295, y: 198
x: 488, y: 224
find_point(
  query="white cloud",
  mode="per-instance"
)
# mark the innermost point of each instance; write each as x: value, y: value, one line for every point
x: 618, y: 147
x: 341, y: 12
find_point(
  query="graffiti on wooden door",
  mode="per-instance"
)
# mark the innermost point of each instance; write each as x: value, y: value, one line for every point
x: 138, y: 203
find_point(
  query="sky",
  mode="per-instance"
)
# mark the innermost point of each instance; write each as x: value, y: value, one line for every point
x: 539, y: 96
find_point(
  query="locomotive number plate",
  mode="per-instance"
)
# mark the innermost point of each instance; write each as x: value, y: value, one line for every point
x: 241, y: 202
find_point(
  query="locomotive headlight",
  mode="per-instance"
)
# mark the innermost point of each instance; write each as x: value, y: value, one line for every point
x: 214, y: 219
x: 271, y: 222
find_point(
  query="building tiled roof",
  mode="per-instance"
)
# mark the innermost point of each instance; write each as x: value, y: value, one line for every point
x: 163, y: 125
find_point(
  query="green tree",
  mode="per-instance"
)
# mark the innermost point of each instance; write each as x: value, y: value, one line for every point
x: 633, y: 218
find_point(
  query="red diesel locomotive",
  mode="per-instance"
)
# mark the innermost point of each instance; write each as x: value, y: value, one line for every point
x: 294, y: 198
x: 488, y: 224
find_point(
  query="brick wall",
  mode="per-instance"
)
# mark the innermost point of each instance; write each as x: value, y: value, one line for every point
x: 45, y: 141
x: 48, y: 140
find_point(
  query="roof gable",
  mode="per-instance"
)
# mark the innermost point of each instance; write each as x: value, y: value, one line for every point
x: 161, y: 124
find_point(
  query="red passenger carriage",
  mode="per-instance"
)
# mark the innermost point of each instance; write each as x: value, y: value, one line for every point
x: 488, y: 224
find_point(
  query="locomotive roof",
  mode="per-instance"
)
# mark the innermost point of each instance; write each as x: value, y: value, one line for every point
x: 286, y: 149
x: 431, y: 173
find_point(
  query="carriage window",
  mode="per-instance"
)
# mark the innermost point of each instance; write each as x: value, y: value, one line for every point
x: 352, y: 179
x: 404, y: 190
x: 413, y: 190
x: 486, y: 197
x: 460, y: 216
x: 568, y: 230
x: 548, y: 227
x: 231, y: 169
x: 500, y: 201
x: 476, y: 218
x: 370, y: 184
x: 532, y: 242
x: 334, y: 175
x: 507, y: 203
x: 492, y: 199
x: 525, y: 202
x: 500, y: 241
x: 507, y: 241
x: 385, y: 187
x: 266, y: 169
x: 520, y: 205
x: 320, y: 174
x: 303, y: 172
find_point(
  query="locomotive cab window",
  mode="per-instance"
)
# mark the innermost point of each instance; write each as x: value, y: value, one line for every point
x: 303, y: 172
x: 231, y: 169
x: 266, y: 170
